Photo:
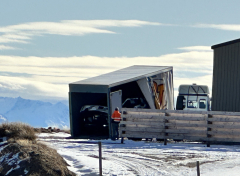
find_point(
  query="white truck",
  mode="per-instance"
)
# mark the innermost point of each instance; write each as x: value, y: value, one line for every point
x: 193, y: 97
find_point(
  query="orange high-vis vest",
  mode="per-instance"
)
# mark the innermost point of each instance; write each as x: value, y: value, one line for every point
x: 116, y: 116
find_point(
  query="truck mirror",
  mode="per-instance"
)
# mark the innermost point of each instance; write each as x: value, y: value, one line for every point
x: 179, y: 105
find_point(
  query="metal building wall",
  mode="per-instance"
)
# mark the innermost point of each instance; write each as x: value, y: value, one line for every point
x: 226, y: 77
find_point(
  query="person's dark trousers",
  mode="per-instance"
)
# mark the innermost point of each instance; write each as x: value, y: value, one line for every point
x: 115, y: 133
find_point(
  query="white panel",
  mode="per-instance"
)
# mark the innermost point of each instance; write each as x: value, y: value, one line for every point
x: 116, y: 100
x: 143, y: 84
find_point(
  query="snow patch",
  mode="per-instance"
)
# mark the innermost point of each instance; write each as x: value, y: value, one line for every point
x: 11, y: 160
x: 14, y: 159
x: 25, y: 171
x: 17, y: 167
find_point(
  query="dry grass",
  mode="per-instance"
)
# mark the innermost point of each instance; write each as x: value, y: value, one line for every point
x: 17, y: 130
x: 45, y: 158
x: 37, y: 158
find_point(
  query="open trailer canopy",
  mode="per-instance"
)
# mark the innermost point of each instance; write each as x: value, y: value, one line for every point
x: 149, y: 87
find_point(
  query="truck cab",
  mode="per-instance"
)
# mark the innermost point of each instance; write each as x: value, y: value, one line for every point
x: 193, y: 97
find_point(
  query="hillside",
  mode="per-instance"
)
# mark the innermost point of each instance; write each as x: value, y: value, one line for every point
x: 36, y: 113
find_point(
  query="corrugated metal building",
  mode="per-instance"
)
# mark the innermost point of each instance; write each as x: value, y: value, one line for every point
x: 226, y: 77
x: 123, y: 87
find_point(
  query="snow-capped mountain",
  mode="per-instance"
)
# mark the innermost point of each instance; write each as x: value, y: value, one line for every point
x: 35, y: 113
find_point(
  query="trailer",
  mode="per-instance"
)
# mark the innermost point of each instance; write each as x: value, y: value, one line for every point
x: 92, y: 101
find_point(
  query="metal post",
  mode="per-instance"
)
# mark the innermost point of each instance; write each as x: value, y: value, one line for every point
x: 122, y: 140
x: 165, y: 141
x: 100, y: 158
x: 109, y: 113
x: 198, y: 169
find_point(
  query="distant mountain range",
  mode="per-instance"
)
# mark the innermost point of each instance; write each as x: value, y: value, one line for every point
x: 35, y: 113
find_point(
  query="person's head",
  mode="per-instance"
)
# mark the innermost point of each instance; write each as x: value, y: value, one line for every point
x: 116, y: 109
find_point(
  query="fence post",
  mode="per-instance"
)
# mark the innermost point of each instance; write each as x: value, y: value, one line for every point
x: 198, y: 169
x: 122, y: 125
x: 100, y: 158
x: 165, y: 127
x: 209, y: 129
x: 122, y: 140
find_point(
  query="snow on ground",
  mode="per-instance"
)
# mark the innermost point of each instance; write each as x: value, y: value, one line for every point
x: 145, y: 158
x: 12, y: 160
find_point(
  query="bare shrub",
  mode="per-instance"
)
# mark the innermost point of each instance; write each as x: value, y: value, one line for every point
x: 17, y: 130
x: 66, y: 131
x: 51, y: 130
x: 37, y: 130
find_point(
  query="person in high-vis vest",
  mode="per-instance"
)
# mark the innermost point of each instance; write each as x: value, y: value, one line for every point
x: 116, y: 118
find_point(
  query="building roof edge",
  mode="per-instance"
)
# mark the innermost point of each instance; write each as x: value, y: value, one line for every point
x: 225, y: 43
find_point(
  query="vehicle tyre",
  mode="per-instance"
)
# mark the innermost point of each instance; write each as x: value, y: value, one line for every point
x: 135, y: 139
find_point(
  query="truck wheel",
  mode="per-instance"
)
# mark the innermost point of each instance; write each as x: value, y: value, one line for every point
x: 135, y: 139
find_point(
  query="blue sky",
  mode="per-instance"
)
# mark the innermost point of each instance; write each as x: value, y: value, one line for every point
x: 44, y: 45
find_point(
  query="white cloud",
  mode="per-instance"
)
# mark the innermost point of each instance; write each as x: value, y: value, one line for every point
x: 28, y: 87
x: 22, y: 33
x: 191, y: 60
x: 196, y: 48
x: 50, y: 76
x: 2, y: 118
x: 4, y: 47
x: 111, y: 23
x: 9, y: 85
x: 229, y: 27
